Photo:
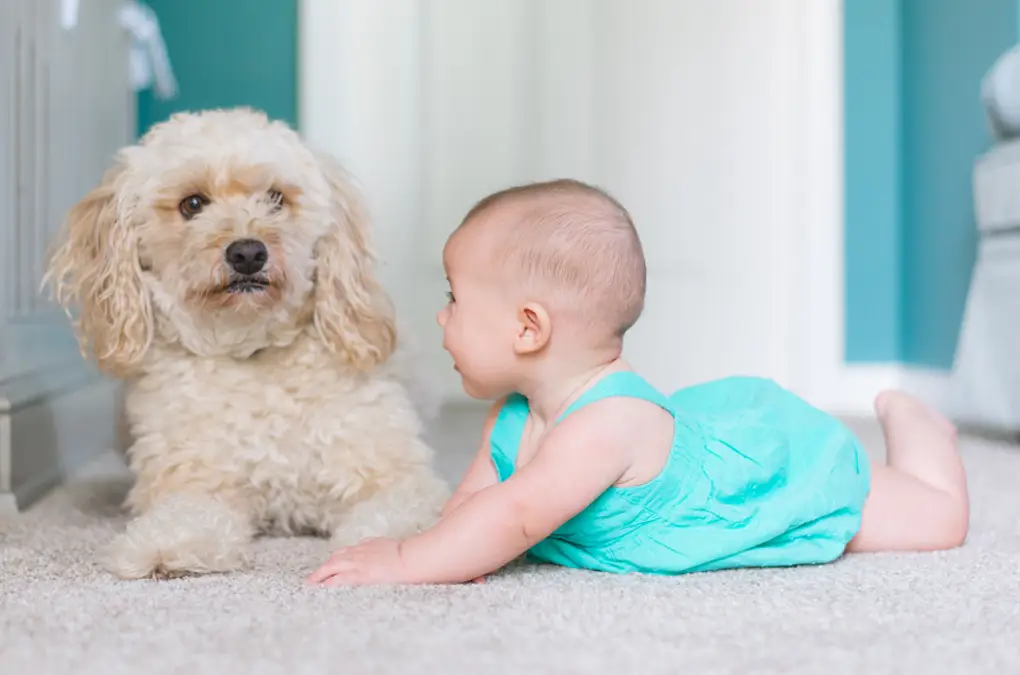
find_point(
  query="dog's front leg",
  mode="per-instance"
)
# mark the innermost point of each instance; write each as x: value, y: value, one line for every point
x: 180, y: 534
x: 398, y: 508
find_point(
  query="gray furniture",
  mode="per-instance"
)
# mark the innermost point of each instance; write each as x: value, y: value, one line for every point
x: 986, y: 374
x: 65, y: 106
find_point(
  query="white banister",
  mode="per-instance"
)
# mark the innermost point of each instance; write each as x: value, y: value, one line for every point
x: 66, y: 105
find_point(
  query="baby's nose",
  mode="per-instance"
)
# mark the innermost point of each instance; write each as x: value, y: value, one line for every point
x: 443, y: 315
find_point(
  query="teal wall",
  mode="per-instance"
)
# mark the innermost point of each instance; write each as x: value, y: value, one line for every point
x: 914, y: 126
x: 228, y: 53
x: 873, y: 170
x: 948, y: 45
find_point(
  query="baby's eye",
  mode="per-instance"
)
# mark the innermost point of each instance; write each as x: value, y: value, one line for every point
x: 449, y: 296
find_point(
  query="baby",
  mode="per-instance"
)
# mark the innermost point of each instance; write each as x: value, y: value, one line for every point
x: 584, y: 464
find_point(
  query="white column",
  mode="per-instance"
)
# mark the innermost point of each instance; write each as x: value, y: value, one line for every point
x: 360, y: 100
x: 818, y: 300
x: 691, y: 134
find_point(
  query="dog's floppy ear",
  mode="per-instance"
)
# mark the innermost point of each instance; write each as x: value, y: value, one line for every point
x: 353, y: 314
x: 95, y: 266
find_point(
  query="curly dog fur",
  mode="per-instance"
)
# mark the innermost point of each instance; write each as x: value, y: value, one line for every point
x: 264, y: 398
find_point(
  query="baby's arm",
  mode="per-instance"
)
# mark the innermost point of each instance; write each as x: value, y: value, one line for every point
x: 581, y: 458
x: 481, y: 474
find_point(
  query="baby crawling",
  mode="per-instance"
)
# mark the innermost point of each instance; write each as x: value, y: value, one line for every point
x: 584, y: 464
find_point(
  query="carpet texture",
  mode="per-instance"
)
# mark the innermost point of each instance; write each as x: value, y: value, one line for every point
x: 953, y: 612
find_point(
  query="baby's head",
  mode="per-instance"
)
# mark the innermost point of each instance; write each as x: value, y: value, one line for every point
x: 546, y: 275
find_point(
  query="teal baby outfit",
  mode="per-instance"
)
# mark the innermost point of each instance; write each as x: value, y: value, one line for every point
x: 756, y: 477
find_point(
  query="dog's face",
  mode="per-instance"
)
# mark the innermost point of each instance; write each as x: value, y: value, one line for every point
x: 222, y: 232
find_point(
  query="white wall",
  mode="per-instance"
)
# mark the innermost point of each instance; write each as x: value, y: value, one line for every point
x: 716, y: 123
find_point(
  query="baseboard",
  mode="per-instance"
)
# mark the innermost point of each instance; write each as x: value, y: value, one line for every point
x: 930, y: 385
x: 853, y: 389
x: 49, y: 427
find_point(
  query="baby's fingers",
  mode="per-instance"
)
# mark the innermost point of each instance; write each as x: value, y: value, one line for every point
x: 346, y: 578
x: 331, y: 568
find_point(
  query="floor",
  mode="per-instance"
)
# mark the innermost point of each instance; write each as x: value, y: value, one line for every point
x: 950, y: 612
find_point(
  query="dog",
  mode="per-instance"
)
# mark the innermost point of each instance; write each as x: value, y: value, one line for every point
x: 223, y: 270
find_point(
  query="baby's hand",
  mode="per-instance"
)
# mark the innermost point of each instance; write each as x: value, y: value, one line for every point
x: 374, y: 561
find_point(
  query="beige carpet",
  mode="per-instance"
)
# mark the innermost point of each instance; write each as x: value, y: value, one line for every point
x: 956, y: 612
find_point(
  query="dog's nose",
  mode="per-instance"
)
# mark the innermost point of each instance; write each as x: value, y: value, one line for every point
x: 247, y: 256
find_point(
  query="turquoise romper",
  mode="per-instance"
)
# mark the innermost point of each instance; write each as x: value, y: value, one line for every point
x: 756, y: 478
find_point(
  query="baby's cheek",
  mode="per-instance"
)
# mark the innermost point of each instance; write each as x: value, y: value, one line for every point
x: 451, y: 338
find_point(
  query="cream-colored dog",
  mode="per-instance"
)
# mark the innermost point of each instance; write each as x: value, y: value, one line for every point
x: 224, y: 271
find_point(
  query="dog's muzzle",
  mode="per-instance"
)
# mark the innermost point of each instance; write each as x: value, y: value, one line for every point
x: 247, y: 258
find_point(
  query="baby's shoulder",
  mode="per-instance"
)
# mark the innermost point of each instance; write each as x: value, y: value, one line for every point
x: 621, y: 408
x: 638, y: 433
x: 621, y: 418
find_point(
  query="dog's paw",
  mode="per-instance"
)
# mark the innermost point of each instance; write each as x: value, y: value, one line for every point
x: 134, y: 557
x: 179, y: 538
x: 403, y: 509
x: 362, y: 525
x: 366, y: 521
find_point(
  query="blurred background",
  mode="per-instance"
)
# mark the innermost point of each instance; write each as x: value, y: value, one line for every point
x: 824, y: 189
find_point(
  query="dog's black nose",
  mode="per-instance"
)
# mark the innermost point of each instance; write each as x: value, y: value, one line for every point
x: 247, y: 256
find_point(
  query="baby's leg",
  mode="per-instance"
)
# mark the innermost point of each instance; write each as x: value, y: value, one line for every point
x: 918, y: 499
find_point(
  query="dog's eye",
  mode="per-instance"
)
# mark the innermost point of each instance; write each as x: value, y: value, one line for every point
x: 275, y: 199
x: 192, y: 205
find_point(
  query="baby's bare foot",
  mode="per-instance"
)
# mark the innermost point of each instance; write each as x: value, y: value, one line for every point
x: 900, y: 409
x: 882, y: 401
x: 922, y: 444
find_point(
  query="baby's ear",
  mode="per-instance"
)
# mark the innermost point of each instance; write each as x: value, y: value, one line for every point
x: 94, y: 265
x: 353, y: 314
x: 534, y: 329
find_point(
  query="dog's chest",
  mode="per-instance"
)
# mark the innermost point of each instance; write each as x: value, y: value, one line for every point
x: 281, y: 429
